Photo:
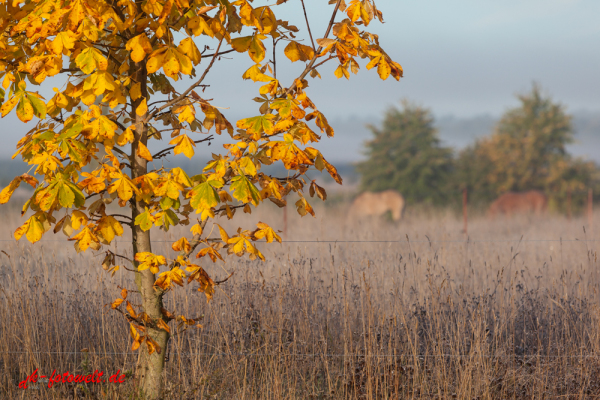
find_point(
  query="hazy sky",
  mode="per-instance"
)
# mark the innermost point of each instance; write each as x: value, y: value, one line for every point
x: 461, y: 57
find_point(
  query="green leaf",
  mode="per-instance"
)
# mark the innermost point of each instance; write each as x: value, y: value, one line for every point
x: 79, y: 197
x: 167, y: 219
x: 24, y: 109
x: 39, y: 107
x: 144, y: 220
x: 166, y: 203
x: 74, y: 130
x: 257, y: 124
x: 244, y: 190
x: 90, y: 59
x: 205, y: 196
x: 66, y: 197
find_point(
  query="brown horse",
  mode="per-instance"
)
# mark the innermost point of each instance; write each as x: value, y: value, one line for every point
x: 510, y: 203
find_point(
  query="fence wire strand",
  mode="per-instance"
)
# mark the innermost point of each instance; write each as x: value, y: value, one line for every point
x: 367, y: 241
x: 422, y: 356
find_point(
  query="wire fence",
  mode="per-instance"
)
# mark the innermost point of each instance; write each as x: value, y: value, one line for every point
x: 367, y: 241
x: 422, y: 356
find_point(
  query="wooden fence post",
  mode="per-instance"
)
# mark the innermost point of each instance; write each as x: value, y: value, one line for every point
x: 465, y: 217
x: 285, y: 222
x: 569, y: 204
x: 590, y: 209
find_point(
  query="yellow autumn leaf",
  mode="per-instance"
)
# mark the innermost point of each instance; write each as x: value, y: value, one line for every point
x: 124, y: 186
x: 256, y: 75
x: 298, y: 52
x: 33, y: 229
x: 142, y: 108
x: 78, y: 219
x: 224, y: 235
x: 149, y: 260
x: 383, y: 69
x: 188, y: 47
x: 86, y: 239
x: 110, y: 227
x: 64, y: 40
x: 199, y: 26
x: 136, y: 91
x: 188, y: 114
x: 116, y: 303
x: 341, y: 71
x: 7, y: 192
x: 125, y: 137
x: 143, y: 152
x: 166, y: 279
x: 139, y: 46
x: 184, y: 145
x: 211, y: 252
x: 182, y: 244
x: 265, y: 231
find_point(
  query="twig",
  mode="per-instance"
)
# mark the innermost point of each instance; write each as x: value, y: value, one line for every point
x: 312, y: 62
x: 164, y: 152
x: 196, y: 240
x: 116, y: 121
x: 224, y: 280
x: 125, y: 258
x: 121, y: 215
x: 308, y: 26
x: 219, y: 54
x: 274, y: 60
x: 121, y: 152
x: 95, y: 194
x: 188, y: 90
x: 323, y: 62
x: 296, y: 176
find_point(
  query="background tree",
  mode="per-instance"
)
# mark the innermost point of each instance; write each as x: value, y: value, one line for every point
x: 526, y: 151
x: 123, y: 57
x: 406, y: 155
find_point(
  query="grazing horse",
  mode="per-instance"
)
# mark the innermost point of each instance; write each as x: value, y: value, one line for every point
x: 510, y: 203
x: 376, y: 204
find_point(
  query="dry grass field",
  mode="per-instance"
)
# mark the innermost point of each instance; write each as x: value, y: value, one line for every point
x: 345, y: 310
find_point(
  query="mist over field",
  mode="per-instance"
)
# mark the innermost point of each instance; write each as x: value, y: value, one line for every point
x: 439, y: 288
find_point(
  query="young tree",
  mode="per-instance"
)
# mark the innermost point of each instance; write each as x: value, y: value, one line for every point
x: 119, y: 59
x: 406, y: 155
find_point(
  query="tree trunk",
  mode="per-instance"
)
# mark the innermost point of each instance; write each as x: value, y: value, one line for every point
x: 151, y: 366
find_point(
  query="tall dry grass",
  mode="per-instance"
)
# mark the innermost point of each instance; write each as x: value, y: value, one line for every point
x: 428, y: 314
